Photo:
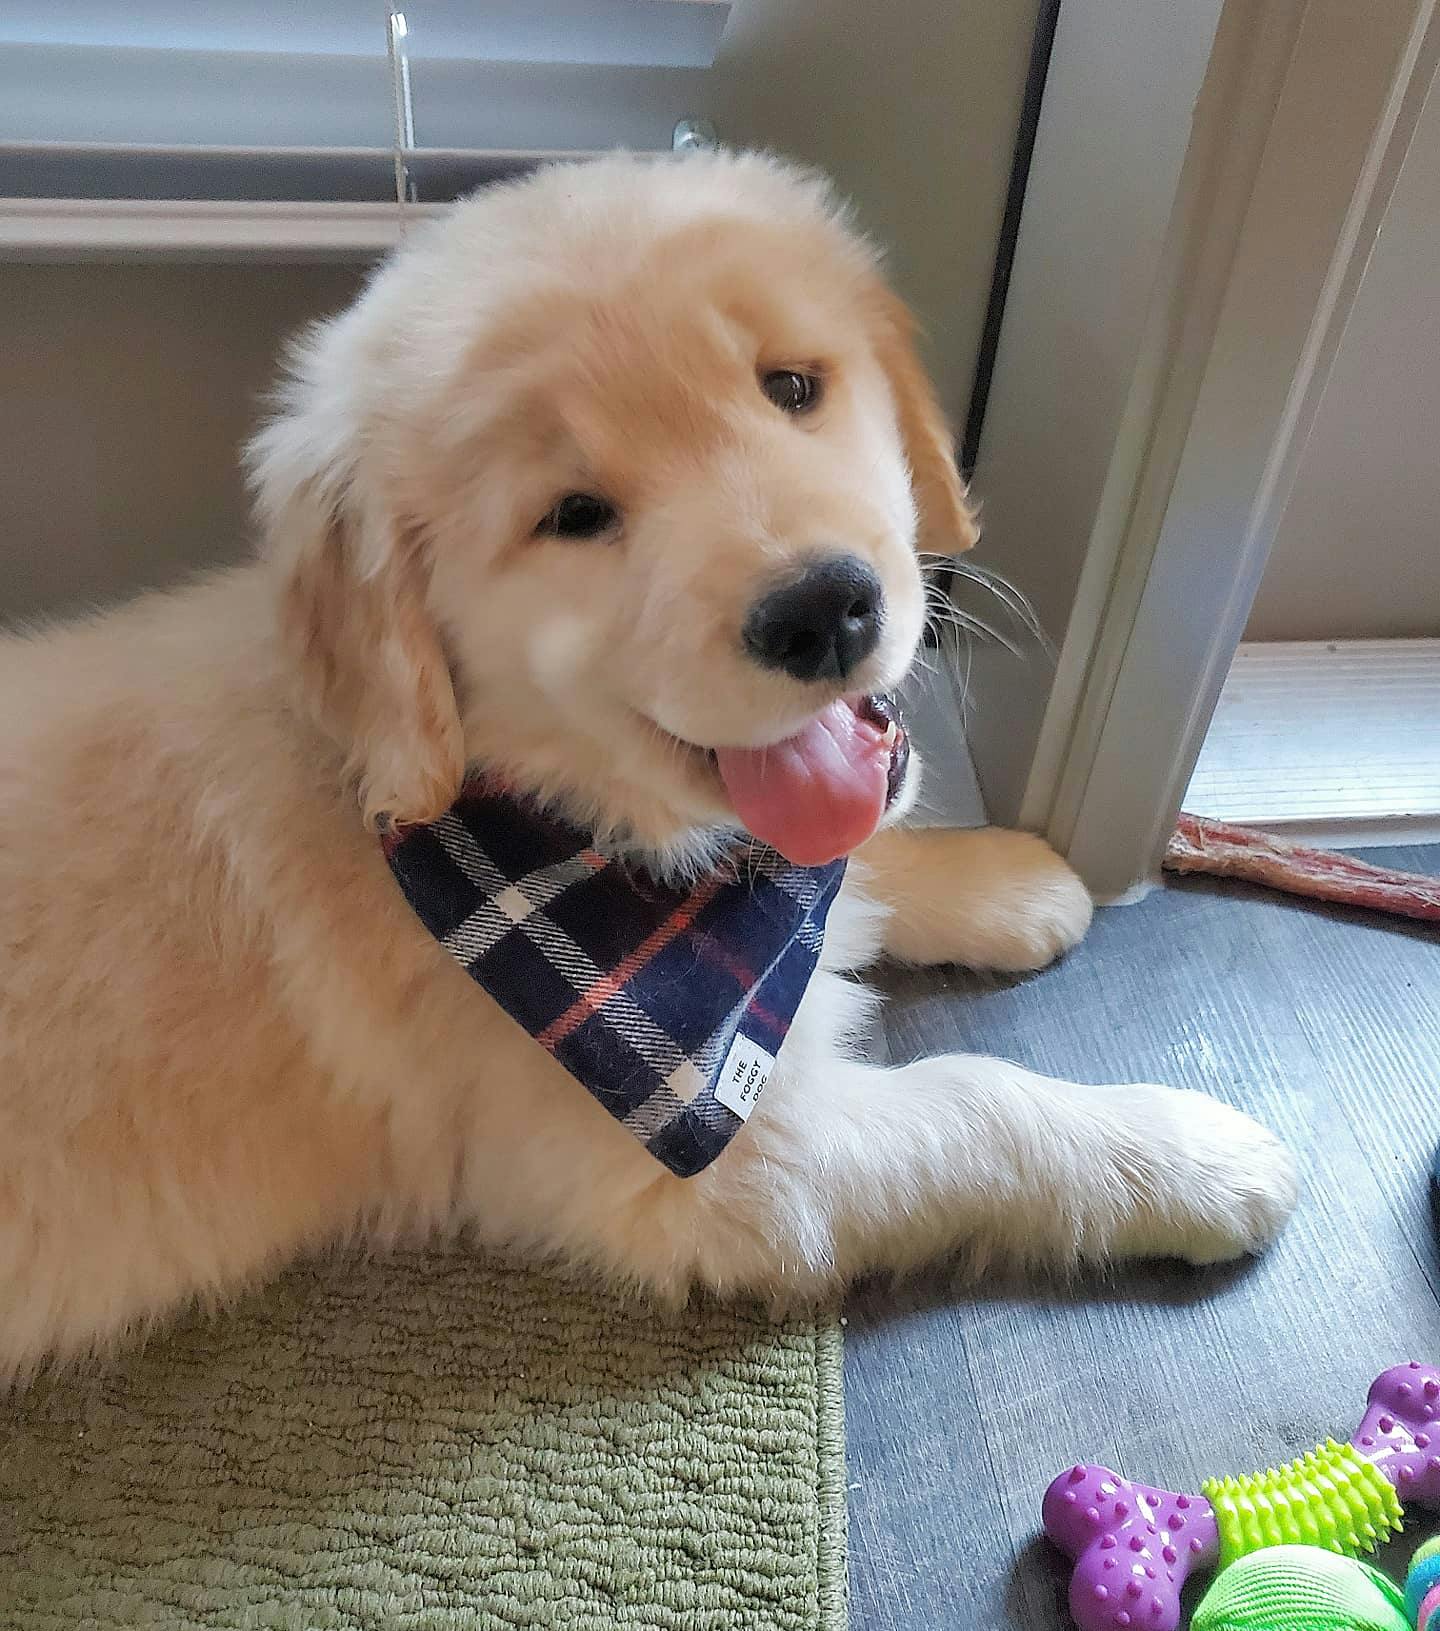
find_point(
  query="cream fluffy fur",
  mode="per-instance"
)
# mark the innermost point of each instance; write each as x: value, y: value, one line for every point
x: 224, y: 1039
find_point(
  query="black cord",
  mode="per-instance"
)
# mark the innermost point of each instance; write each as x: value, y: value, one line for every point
x: 1035, y: 78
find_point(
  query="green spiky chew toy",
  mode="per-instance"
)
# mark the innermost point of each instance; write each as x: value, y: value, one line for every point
x: 1135, y: 1544
x: 1331, y: 1497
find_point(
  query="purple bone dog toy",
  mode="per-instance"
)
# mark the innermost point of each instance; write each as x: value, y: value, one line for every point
x: 1134, y: 1545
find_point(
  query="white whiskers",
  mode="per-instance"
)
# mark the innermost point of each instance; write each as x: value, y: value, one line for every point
x: 965, y: 624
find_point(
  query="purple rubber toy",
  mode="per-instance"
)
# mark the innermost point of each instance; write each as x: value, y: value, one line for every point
x: 1135, y: 1545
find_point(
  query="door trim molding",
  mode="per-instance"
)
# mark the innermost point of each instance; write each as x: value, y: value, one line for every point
x: 1303, y: 121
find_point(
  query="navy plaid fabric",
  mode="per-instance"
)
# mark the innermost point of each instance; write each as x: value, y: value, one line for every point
x: 668, y: 1004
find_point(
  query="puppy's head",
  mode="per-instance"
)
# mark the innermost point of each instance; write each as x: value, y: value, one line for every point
x: 613, y: 482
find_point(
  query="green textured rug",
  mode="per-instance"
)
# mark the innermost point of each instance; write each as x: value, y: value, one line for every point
x: 435, y: 1442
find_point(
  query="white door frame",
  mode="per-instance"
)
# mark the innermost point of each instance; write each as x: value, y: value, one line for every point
x: 1252, y: 247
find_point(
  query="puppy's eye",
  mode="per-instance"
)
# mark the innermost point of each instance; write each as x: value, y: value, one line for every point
x: 579, y: 515
x: 790, y: 390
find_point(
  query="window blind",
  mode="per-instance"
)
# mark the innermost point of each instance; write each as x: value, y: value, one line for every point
x: 111, y: 111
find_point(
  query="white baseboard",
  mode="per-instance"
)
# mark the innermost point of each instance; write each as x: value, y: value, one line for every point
x: 1331, y: 742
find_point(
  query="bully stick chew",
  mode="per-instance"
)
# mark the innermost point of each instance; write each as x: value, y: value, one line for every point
x: 1203, y: 845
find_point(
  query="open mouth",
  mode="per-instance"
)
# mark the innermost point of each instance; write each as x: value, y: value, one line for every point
x: 821, y: 792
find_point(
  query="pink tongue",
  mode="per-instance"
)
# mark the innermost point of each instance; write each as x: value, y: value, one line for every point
x: 817, y: 794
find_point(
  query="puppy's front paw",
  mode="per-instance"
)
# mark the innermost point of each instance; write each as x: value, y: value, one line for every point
x: 1042, y: 908
x: 987, y: 898
x: 1208, y: 1184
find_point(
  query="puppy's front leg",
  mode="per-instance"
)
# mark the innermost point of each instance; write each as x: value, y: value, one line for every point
x: 988, y: 898
x: 862, y: 1168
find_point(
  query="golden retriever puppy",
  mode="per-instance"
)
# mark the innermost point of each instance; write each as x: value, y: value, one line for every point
x: 610, y: 485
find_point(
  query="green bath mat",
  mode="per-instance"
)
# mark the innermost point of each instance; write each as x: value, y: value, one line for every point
x: 435, y: 1442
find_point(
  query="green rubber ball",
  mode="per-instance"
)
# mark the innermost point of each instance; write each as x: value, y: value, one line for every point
x: 1300, y: 1588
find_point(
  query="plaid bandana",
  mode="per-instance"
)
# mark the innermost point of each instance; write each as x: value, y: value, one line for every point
x: 668, y: 1004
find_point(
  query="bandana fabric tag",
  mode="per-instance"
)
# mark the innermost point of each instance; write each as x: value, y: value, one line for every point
x: 667, y: 1004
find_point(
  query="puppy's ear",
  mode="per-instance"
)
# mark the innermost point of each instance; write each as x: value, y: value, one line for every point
x: 366, y: 658
x: 947, y: 521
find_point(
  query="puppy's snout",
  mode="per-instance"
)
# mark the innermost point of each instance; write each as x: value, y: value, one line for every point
x: 821, y: 625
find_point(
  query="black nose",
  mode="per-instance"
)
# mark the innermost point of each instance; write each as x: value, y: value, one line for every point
x: 821, y: 625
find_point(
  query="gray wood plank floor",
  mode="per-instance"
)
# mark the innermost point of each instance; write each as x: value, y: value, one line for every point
x: 963, y: 1402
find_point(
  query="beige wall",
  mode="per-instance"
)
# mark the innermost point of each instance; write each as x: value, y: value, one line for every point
x: 1358, y: 552
x: 913, y: 108
x: 125, y: 391
x: 125, y: 394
